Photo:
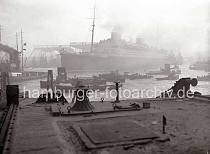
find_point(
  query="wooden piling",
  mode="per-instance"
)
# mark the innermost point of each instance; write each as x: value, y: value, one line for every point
x: 50, y: 80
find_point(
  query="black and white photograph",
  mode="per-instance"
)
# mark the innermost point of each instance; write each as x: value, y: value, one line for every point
x: 104, y: 77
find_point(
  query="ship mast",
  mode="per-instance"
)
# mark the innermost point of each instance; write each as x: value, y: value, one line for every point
x: 93, y: 27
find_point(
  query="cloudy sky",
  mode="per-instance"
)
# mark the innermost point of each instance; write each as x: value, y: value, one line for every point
x: 171, y: 24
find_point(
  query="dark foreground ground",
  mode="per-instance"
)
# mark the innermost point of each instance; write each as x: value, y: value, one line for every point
x: 129, y: 132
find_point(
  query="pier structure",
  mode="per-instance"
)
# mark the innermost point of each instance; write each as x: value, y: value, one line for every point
x: 29, y: 127
x: 138, y: 131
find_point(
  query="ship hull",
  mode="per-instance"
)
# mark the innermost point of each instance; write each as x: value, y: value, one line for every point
x: 78, y: 62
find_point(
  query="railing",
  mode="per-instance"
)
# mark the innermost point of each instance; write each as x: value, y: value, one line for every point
x: 4, y: 78
x: 8, y: 109
x: 6, y: 123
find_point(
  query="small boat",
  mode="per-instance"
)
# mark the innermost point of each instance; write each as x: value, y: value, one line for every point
x: 171, y: 76
x: 137, y: 76
x: 204, y: 78
x: 200, y: 65
x: 167, y: 70
x: 62, y: 82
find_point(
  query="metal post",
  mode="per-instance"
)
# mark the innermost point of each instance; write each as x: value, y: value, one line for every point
x: 93, y: 27
x: 17, y: 41
x: 0, y: 33
x: 21, y: 35
x: 117, y: 89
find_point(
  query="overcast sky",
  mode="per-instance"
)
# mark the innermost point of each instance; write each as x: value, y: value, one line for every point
x: 171, y: 24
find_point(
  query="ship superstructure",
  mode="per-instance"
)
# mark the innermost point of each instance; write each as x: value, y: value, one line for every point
x: 113, y: 54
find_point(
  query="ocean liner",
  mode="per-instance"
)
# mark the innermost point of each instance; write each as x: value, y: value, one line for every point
x: 112, y: 54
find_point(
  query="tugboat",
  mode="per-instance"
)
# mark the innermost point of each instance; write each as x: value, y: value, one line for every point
x: 166, y: 71
x: 200, y: 65
x: 137, y: 76
x: 204, y: 78
x: 171, y: 76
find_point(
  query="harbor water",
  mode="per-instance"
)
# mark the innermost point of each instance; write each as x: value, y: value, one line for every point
x: 143, y: 85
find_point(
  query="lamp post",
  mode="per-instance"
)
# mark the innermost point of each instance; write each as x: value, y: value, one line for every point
x: 22, y: 49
